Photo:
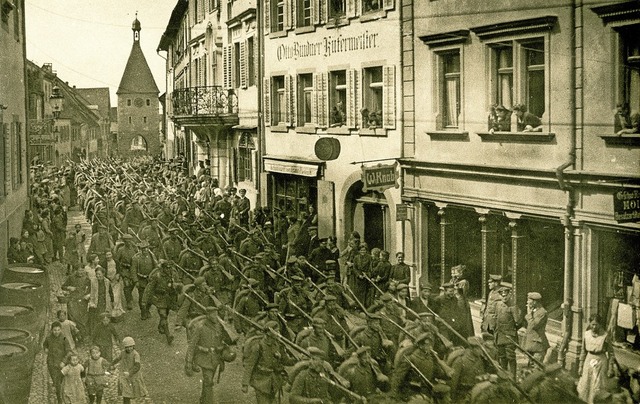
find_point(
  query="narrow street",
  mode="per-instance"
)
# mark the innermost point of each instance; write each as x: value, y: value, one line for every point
x: 162, y: 365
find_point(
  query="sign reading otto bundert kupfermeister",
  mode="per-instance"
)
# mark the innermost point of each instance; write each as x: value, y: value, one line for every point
x: 626, y: 205
x: 379, y: 178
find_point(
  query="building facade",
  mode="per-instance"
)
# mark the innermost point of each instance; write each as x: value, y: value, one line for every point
x: 528, y: 197
x: 331, y: 107
x: 138, y: 105
x: 98, y: 100
x: 13, y: 123
x: 212, y: 92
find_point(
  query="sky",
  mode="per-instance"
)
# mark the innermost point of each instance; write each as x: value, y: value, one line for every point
x: 88, y: 41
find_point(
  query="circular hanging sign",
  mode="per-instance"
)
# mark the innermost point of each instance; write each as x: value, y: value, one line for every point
x: 327, y: 148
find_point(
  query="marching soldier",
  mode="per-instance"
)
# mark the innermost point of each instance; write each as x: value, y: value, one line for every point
x: 294, y: 303
x: 101, y: 242
x: 249, y: 302
x: 489, y: 309
x: 373, y: 336
x: 311, y: 385
x: 332, y: 288
x: 316, y: 337
x: 264, y: 366
x: 363, y: 373
x: 142, y: 264
x: 421, y: 367
x: 124, y: 258
x: 189, y: 310
x: 334, y: 316
x: 391, y: 313
x: 506, y: 332
x: 162, y: 292
x: 172, y: 245
x: 208, y: 349
x: 466, y: 369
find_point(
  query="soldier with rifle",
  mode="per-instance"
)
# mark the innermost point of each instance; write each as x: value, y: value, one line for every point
x: 162, y: 292
x: 142, y: 264
x: 363, y: 373
x: 124, y: 258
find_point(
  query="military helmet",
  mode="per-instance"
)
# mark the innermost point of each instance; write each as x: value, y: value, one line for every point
x: 128, y: 341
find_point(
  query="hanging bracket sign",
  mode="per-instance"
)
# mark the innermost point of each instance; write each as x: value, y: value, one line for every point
x: 379, y: 178
x: 626, y: 205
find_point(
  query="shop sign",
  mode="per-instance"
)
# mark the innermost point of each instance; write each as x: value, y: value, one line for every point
x: 288, y: 167
x: 626, y: 205
x: 402, y: 212
x: 327, y: 46
x: 379, y: 178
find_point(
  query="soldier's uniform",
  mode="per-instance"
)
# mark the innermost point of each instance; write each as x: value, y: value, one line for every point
x: 191, y: 262
x: 317, y: 337
x: 506, y: 332
x: 448, y: 308
x: 205, y: 350
x: 466, y: 368
x: 162, y: 292
x: 123, y: 258
x: 101, y: 242
x: 171, y: 246
x: 363, y: 373
x: 248, y: 304
x: 310, y: 384
x: 401, y: 272
x: 535, y: 338
x: 372, y: 336
x: 264, y: 363
x: 489, y: 311
x: 391, y: 313
x: 291, y: 301
x: 334, y: 317
x: 142, y: 264
x: 189, y: 310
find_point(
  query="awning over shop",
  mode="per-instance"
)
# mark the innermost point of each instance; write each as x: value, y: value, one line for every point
x: 284, y: 165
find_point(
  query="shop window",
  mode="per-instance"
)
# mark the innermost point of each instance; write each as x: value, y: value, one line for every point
x: 305, y: 97
x: 373, y: 89
x: 305, y: 13
x: 279, y: 101
x: 293, y: 194
x: 337, y: 97
x: 246, y: 149
x: 449, y: 88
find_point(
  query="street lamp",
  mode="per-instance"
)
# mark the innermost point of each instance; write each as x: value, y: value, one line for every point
x: 57, y: 100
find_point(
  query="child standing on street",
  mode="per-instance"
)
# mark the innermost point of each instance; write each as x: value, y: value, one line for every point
x: 72, y: 386
x: 68, y: 327
x: 102, y: 336
x: 56, y: 347
x: 130, y: 381
x: 96, y: 368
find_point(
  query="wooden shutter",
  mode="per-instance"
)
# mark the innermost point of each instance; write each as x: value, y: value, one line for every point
x: 293, y: 19
x: 243, y: 64
x: 315, y: 12
x: 294, y: 99
x: 286, y: 12
x: 389, y: 97
x: 388, y: 4
x: 314, y: 101
x: 323, y: 5
x: 352, y: 99
x: 14, y: 152
x: 324, y: 100
x: 351, y: 8
x: 192, y: 13
x: 267, y: 17
x: 226, y: 69
x: 326, y: 209
x: 3, y: 168
x: 287, y: 100
x: 256, y: 60
x: 266, y: 95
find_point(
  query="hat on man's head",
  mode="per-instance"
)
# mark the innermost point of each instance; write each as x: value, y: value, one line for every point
x: 330, y: 298
x: 268, y: 223
x: 297, y: 278
x: 504, y: 289
x: 447, y: 285
x: 319, y: 321
x: 534, y: 296
x: 402, y: 286
x: 292, y: 259
x: 252, y: 282
x: 363, y: 349
x: 316, y: 352
x: 474, y: 341
x: 494, y: 278
x: 386, y: 297
x: 312, y: 228
x: 127, y: 237
x: 211, y: 309
x: 501, y: 108
x: 199, y: 281
x: 272, y: 306
x: 143, y: 244
x: 426, y: 285
x: 424, y: 336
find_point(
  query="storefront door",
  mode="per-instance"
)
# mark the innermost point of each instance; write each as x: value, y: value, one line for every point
x: 374, y: 233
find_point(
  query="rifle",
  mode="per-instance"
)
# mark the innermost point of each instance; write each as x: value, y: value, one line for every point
x: 315, y: 269
x: 364, y: 309
x: 336, y: 346
x: 345, y: 332
x: 204, y: 258
x: 222, y: 322
x: 342, y: 388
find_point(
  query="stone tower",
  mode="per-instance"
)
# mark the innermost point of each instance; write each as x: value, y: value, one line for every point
x: 138, y: 113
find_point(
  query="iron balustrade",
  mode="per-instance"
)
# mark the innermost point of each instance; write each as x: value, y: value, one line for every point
x: 206, y: 100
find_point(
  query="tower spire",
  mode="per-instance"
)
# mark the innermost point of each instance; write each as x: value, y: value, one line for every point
x: 136, y: 29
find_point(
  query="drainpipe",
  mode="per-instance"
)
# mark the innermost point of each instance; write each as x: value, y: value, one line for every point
x: 576, y: 106
x: 261, y: 128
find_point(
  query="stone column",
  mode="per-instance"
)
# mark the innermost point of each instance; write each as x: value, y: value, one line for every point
x: 443, y: 242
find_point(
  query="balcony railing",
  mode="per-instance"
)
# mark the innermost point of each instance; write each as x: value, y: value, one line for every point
x: 209, y: 100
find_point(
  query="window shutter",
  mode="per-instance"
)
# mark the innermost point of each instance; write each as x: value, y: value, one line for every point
x: 294, y: 100
x: 226, y: 71
x: 243, y: 64
x: 314, y: 101
x: 388, y: 97
x: 287, y: 100
x: 315, y: 12
x: 324, y: 11
x: 266, y: 94
x: 388, y: 4
x: 256, y: 59
x: 351, y: 8
x: 267, y: 17
x: 192, y: 13
x: 322, y: 98
x: 293, y: 14
x: 3, y: 150
x: 254, y: 165
x: 286, y: 12
x: 352, y: 98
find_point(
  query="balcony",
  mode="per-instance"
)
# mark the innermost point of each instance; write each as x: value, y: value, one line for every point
x: 210, y: 105
x: 41, y: 132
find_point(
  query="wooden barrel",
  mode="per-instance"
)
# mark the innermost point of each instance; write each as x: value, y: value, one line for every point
x: 24, y: 317
x: 16, y: 335
x: 327, y: 148
x: 26, y: 273
x: 15, y: 372
x: 25, y: 294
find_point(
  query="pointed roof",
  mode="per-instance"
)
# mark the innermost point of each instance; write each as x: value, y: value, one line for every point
x: 97, y: 96
x: 137, y: 77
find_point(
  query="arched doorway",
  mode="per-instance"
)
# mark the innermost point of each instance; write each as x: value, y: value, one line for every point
x: 138, y: 143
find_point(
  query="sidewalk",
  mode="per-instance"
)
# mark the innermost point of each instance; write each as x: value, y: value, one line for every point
x: 41, y: 386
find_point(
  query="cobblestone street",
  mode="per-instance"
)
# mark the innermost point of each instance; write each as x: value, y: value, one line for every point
x: 162, y: 365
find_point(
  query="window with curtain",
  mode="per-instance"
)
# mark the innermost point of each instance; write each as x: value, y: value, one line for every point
x: 450, y: 88
x: 245, y: 159
x: 337, y: 97
x: 535, y: 91
x: 504, y: 73
x: 279, y: 101
x: 304, y: 17
x: 630, y: 67
x: 305, y: 94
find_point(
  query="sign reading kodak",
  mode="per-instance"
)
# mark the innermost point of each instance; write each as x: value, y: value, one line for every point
x: 379, y: 178
x: 626, y: 205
